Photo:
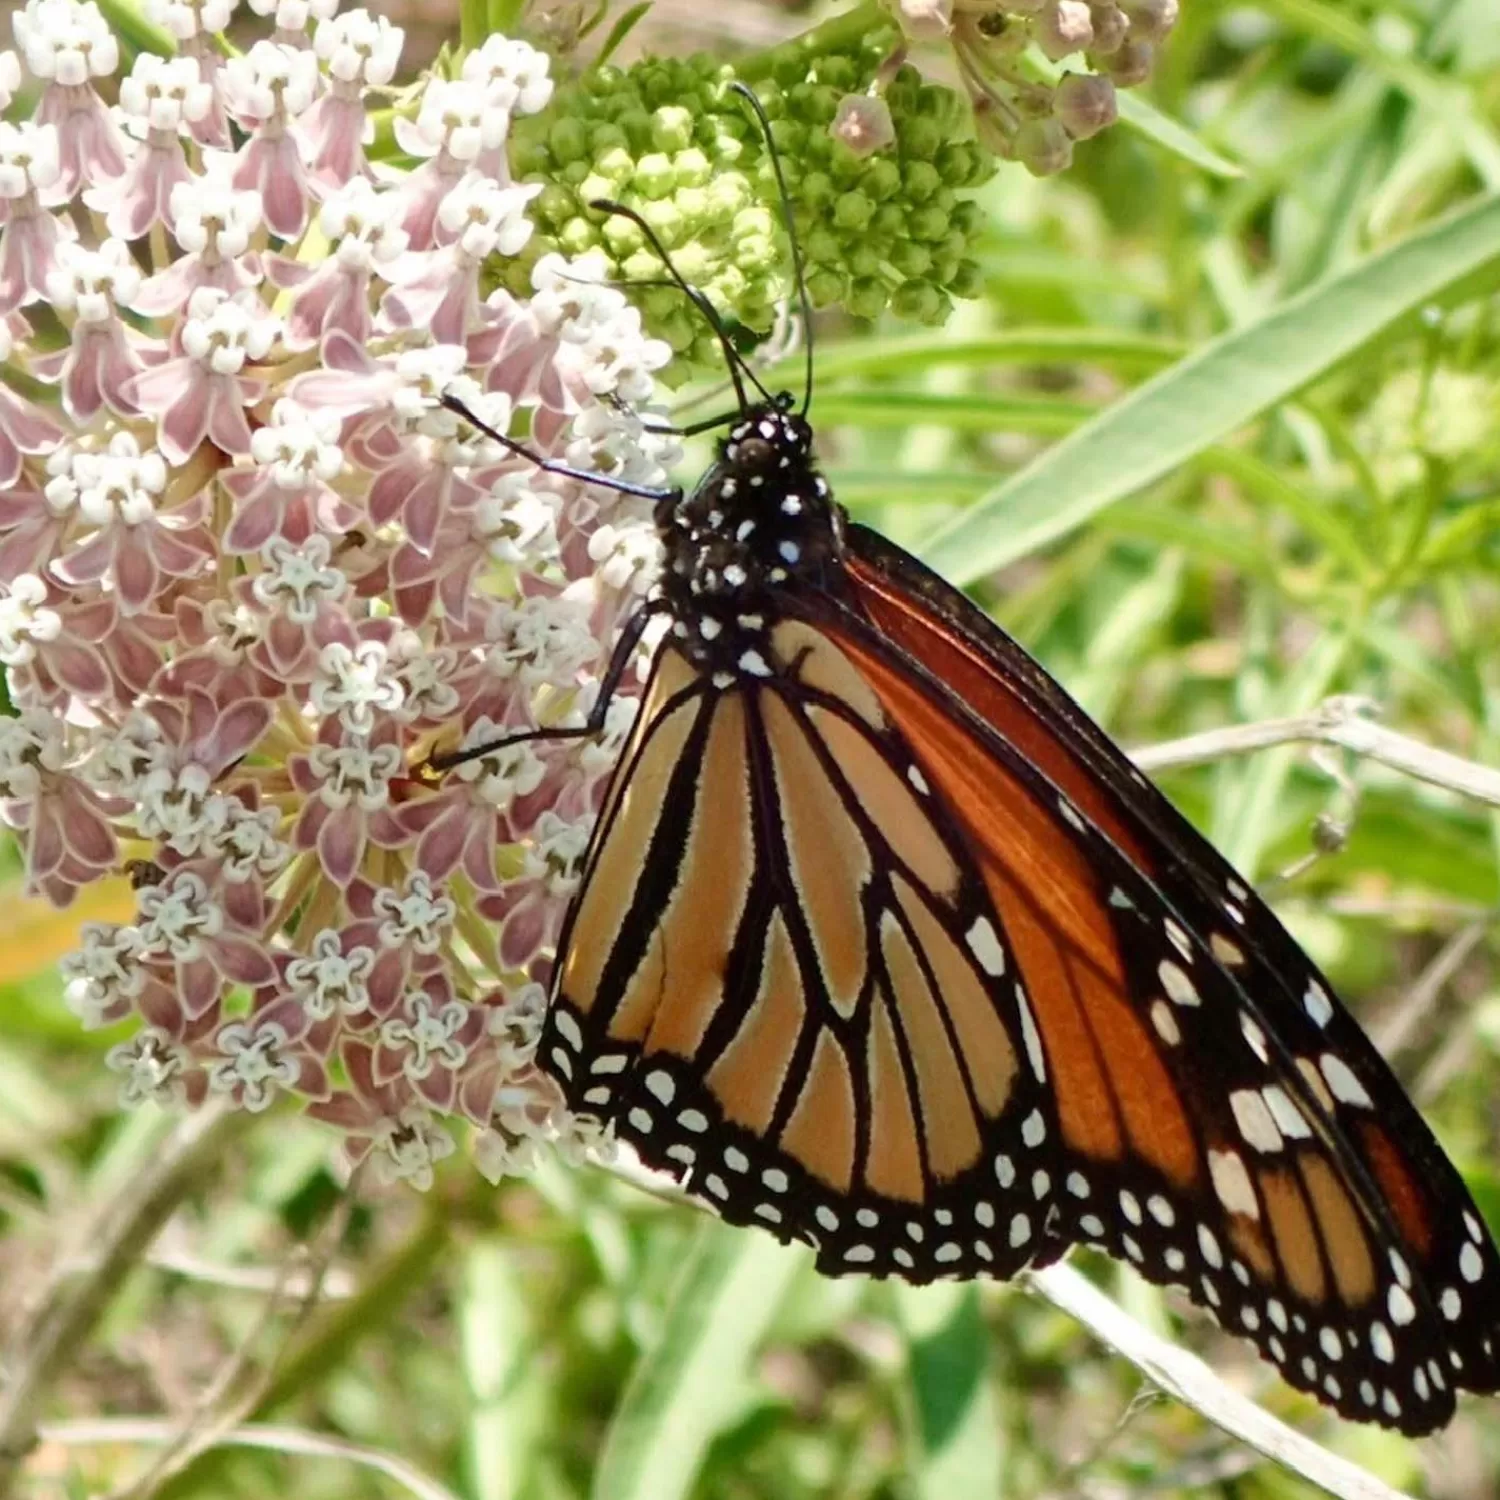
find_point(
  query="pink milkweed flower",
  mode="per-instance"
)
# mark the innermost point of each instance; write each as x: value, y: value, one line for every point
x: 184, y: 929
x: 256, y: 575
x: 24, y: 427
x: 515, y: 82
x: 291, y: 17
x: 161, y: 100
x: 69, y: 840
x: 289, y: 493
x: 67, y: 44
x: 454, y: 125
x: 127, y: 540
x: 360, y: 224
x: 30, y: 172
x: 104, y: 354
x: 360, y: 51
x: 203, y: 394
x: 195, y: 24
x: 267, y: 90
x: 440, y: 290
x: 214, y: 223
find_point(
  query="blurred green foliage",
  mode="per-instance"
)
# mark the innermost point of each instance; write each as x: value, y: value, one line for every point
x: 1289, y: 509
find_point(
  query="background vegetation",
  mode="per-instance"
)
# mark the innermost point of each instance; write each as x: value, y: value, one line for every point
x: 1218, y: 441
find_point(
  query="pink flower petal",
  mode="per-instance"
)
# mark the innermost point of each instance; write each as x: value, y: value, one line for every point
x: 341, y: 842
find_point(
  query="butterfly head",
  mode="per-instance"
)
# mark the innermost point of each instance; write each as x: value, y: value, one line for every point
x: 769, y: 439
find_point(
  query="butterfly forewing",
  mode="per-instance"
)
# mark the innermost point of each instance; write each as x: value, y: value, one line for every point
x: 835, y: 1045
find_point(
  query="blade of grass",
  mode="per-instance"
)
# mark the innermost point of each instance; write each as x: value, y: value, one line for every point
x: 1216, y: 390
x: 682, y: 1392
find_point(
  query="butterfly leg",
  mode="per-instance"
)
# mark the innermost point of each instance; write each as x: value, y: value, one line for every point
x: 593, y: 726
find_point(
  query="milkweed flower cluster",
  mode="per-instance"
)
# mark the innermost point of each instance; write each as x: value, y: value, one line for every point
x: 1104, y: 45
x: 880, y: 184
x: 253, y: 574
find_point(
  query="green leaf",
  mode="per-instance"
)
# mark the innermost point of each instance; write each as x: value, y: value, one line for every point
x: 507, y: 1389
x: 1119, y: 348
x: 1448, y: 102
x: 1214, y: 391
x: 620, y: 30
x: 1145, y: 119
x: 687, y: 1389
x: 954, y: 1411
x: 1048, y: 415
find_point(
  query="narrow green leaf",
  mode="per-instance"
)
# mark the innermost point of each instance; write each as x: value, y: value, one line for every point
x: 507, y: 1389
x: 1214, y: 391
x: 684, y: 1391
x: 1047, y: 415
x: 620, y: 30
x: 1145, y: 119
x: 1449, y: 102
x: 1118, y: 348
x: 954, y: 1411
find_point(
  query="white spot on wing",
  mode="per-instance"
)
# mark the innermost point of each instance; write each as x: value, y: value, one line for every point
x: 1165, y: 1023
x: 1470, y: 1266
x: 1254, y: 1118
x: 1232, y: 1183
x: 1342, y: 1082
x: 1317, y: 1004
x: 1400, y: 1306
x: 1180, y: 989
x: 1289, y: 1119
x: 986, y: 946
x: 567, y: 1028
x: 1031, y: 1037
x: 661, y: 1085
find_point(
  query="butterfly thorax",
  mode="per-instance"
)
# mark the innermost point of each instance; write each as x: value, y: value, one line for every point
x: 760, y: 521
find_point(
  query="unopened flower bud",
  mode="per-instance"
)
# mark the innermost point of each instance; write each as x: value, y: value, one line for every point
x: 863, y: 123
x: 1085, y: 104
x: 1132, y: 64
x: 1111, y: 27
x: 1150, y: 20
x: 1063, y: 27
x: 1044, y: 147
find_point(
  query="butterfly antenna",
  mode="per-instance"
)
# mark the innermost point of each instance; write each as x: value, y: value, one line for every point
x: 787, y: 219
x: 732, y: 358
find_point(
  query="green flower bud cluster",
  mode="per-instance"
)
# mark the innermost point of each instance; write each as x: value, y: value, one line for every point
x: 667, y: 138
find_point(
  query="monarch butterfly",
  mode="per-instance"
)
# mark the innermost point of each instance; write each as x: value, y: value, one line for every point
x: 882, y: 945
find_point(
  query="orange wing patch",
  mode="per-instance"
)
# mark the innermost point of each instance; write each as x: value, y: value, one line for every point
x: 1108, y: 1078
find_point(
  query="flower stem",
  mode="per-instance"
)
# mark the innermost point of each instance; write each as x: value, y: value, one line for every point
x: 85, y: 1278
x: 330, y: 1335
